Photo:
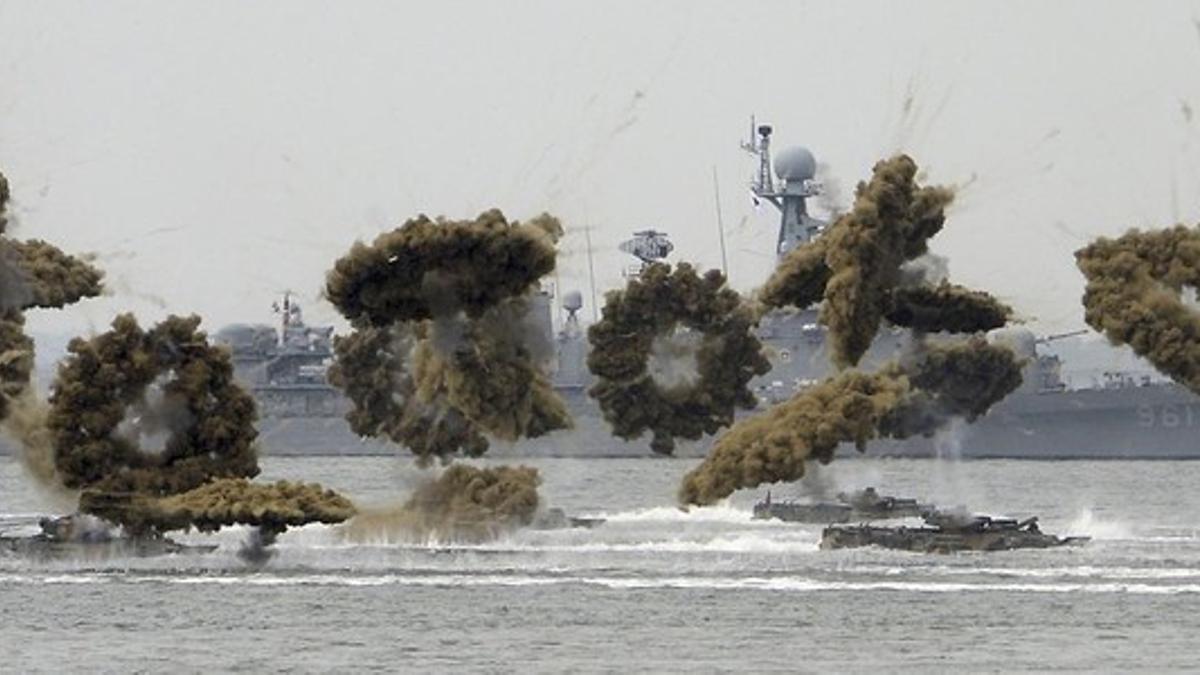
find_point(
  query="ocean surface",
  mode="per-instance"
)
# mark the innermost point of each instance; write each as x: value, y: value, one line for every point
x: 652, y: 589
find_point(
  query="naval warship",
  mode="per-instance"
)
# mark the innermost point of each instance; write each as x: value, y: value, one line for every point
x: 1121, y: 417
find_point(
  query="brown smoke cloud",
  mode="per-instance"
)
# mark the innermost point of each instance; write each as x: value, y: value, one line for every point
x: 16, y: 359
x: 431, y: 268
x: 445, y: 349
x: 946, y: 308
x: 1134, y: 291
x: 33, y: 274
x: 105, y: 377
x: 800, y: 278
x: 493, y: 375
x: 54, y: 278
x: 944, y: 381
x: 464, y: 504
x: 857, y: 265
x: 74, y: 443
x: 652, y: 306
x: 372, y: 368
x: 229, y: 501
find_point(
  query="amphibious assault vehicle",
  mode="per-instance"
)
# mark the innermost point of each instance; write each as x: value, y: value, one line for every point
x: 557, y: 519
x: 88, y: 538
x: 948, y: 532
x: 862, y: 505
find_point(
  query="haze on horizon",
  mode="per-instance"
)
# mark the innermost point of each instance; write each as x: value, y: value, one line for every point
x: 214, y: 155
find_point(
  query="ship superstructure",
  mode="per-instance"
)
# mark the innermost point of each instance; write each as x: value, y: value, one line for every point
x: 285, y: 367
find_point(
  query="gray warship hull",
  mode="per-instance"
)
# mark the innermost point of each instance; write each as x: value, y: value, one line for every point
x: 1158, y: 421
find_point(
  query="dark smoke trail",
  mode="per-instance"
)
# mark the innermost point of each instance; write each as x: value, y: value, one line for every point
x: 946, y: 308
x: 653, y: 306
x: 1135, y: 286
x: 800, y: 278
x: 958, y: 380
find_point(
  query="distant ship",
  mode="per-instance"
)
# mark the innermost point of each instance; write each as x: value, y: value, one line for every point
x: 285, y: 367
x: 1122, y: 417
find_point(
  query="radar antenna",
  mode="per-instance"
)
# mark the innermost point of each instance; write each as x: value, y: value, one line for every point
x: 796, y: 170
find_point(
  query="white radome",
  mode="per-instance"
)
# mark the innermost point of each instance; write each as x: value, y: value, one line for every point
x: 795, y: 164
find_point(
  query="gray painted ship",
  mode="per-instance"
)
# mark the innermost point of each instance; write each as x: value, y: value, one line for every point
x: 1122, y: 417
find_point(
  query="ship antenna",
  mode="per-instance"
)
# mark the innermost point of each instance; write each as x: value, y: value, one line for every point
x: 720, y: 222
x: 797, y: 169
x: 587, y: 234
x: 285, y: 317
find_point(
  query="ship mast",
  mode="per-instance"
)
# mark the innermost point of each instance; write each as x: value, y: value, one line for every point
x: 285, y: 316
x: 796, y: 169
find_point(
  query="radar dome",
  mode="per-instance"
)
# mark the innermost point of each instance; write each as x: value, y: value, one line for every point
x: 795, y: 164
x: 572, y: 301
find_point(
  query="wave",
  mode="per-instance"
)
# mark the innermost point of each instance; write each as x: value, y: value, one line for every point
x: 774, y: 584
x: 1087, y: 524
x: 1083, y: 571
x: 720, y: 513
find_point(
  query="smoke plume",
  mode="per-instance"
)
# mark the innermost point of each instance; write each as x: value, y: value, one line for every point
x: 372, y: 368
x: 465, y: 504
x: 943, y: 382
x: 1134, y: 295
x: 229, y: 501
x: 653, y: 306
x: 432, y: 268
x: 858, y: 266
x: 33, y: 274
x: 445, y: 350
x: 104, y: 377
x: 946, y: 308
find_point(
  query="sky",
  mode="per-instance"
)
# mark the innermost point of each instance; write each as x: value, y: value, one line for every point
x: 213, y: 155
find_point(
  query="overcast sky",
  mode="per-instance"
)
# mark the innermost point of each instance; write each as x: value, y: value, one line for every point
x: 214, y: 154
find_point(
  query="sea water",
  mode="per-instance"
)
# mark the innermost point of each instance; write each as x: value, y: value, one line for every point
x: 654, y: 588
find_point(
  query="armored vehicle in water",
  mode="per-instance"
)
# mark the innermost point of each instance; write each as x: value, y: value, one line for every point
x: 83, y: 537
x: 866, y: 504
x: 557, y: 519
x: 948, y: 532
